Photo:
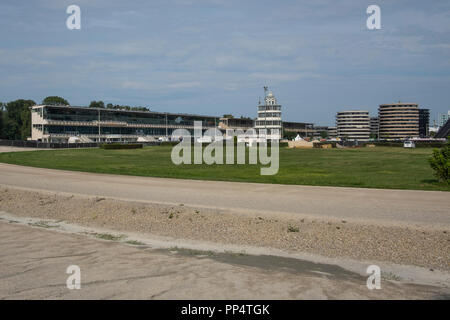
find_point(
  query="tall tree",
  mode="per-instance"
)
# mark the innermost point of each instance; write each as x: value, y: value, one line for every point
x: 97, y: 104
x: 289, y: 134
x: 18, y: 119
x: 55, y: 101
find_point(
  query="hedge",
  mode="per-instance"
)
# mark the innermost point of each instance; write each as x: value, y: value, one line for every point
x: 419, y: 144
x: 169, y: 143
x: 173, y: 143
x: 115, y: 146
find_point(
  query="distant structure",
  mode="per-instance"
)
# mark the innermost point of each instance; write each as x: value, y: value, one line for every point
x: 442, y: 118
x: 398, y: 121
x: 332, y: 132
x: 301, y: 128
x: 236, y: 123
x: 444, y: 131
x: 424, y: 123
x: 374, y: 127
x: 319, y: 130
x: 353, y: 125
x: 269, y: 116
x: 434, y: 128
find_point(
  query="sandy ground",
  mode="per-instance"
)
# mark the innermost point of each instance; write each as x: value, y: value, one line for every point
x: 34, y: 262
x: 396, y: 206
x: 427, y: 247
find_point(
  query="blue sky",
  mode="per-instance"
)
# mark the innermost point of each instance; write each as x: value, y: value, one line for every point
x: 213, y: 57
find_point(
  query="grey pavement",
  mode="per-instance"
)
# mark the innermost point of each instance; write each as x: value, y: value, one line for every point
x: 34, y: 261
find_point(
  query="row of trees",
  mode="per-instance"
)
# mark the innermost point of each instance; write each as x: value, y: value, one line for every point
x: 15, y: 116
x: 101, y: 104
x: 15, y: 119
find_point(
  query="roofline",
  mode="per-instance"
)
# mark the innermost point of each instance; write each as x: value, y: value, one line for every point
x: 344, y: 111
x: 399, y: 104
x: 131, y: 111
x: 298, y: 122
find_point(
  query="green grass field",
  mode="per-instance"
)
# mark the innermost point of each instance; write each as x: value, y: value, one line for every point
x: 380, y: 167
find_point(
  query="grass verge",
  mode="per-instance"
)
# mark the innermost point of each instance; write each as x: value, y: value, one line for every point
x: 380, y: 167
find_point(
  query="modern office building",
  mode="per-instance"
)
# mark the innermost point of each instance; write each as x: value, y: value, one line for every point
x: 61, y: 123
x: 442, y: 118
x: 269, y: 117
x: 398, y: 121
x: 374, y: 126
x: 332, y: 132
x: 353, y: 125
x: 424, y: 123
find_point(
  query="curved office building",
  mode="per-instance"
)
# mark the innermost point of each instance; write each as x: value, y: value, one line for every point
x: 353, y: 125
x: 398, y: 121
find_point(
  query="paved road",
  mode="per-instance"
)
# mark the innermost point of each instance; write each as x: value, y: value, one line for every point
x: 17, y: 149
x: 400, y: 206
x: 33, y: 265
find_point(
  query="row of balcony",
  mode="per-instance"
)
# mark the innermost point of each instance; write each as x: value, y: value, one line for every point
x: 119, y: 124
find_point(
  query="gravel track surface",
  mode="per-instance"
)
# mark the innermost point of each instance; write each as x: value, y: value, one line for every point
x: 427, y: 247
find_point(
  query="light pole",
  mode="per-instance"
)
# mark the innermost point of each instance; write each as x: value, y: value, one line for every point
x: 167, y: 136
x: 99, y: 131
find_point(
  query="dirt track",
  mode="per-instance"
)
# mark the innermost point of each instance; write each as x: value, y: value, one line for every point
x: 393, y: 206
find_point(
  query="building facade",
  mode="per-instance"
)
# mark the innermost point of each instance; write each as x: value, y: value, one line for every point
x: 374, y: 127
x: 236, y: 123
x: 444, y: 131
x: 320, y: 131
x: 62, y: 123
x: 353, y: 125
x: 424, y: 123
x: 442, y: 119
x: 332, y: 132
x: 269, y: 117
x: 398, y: 121
x: 301, y: 128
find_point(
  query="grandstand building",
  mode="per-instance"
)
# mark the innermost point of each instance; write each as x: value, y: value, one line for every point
x: 65, y: 123
x: 301, y: 128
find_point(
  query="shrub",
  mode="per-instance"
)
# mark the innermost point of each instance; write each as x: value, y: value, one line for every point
x: 319, y: 144
x: 169, y: 143
x: 115, y: 146
x: 440, y: 162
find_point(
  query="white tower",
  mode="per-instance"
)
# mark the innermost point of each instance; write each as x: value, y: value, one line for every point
x: 269, y: 117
